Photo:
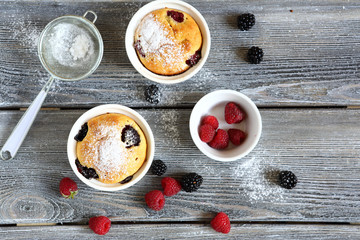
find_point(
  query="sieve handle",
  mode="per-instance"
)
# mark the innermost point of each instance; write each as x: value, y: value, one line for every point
x: 19, y: 133
x: 89, y: 11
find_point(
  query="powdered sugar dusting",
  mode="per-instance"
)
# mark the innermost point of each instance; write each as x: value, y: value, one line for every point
x: 80, y: 47
x: 168, y: 121
x: 157, y: 41
x: 70, y: 45
x: 152, y: 35
x: 253, y: 177
x: 256, y: 181
x: 109, y: 152
x: 26, y: 33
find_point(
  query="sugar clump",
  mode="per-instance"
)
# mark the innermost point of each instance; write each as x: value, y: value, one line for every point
x: 70, y: 45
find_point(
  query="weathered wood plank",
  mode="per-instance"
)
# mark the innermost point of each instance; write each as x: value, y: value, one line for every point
x: 186, y: 231
x: 320, y: 146
x: 312, y: 54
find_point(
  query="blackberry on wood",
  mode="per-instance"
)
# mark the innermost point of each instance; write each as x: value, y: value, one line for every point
x: 245, y: 21
x: 158, y: 167
x: 152, y: 94
x: 287, y: 179
x: 191, y: 182
x: 255, y: 55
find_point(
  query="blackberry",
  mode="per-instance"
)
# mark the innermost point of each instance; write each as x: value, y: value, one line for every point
x: 255, y: 55
x: 127, y: 179
x: 152, y: 94
x: 139, y: 48
x: 287, y: 179
x: 82, y: 133
x: 88, y: 173
x: 191, y: 182
x: 158, y: 167
x: 245, y: 21
x: 130, y: 136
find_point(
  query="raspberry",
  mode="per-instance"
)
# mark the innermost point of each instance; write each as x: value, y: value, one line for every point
x: 191, y: 182
x: 171, y: 186
x: 245, y: 21
x: 221, y: 223
x: 177, y: 16
x: 236, y: 136
x: 100, y: 225
x: 211, y: 120
x: 255, y: 55
x: 221, y: 140
x: 233, y: 114
x: 155, y: 200
x: 287, y: 179
x: 158, y: 167
x: 68, y: 188
x: 206, y: 133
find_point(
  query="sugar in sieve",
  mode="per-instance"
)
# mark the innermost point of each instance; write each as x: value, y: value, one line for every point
x: 70, y: 59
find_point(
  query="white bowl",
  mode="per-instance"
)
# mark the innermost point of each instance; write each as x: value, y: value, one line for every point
x: 214, y: 104
x: 103, y: 109
x: 159, y: 4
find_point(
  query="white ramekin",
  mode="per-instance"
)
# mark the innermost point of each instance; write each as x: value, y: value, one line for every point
x: 103, y: 109
x: 214, y: 104
x: 174, y: 4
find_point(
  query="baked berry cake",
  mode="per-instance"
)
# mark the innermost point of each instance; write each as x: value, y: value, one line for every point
x: 168, y: 41
x: 111, y: 148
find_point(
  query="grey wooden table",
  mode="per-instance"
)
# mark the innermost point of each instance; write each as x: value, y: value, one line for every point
x: 307, y: 89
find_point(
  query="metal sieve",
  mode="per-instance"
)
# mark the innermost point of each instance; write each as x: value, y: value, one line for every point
x: 57, y: 71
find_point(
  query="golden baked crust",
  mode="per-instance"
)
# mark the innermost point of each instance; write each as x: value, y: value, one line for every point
x: 105, y: 150
x: 164, y: 45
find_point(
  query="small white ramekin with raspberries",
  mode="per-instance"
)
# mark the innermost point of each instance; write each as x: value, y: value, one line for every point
x: 237, y: 132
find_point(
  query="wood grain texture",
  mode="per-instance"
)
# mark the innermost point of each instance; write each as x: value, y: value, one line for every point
x: 320, y: 146
x: 186, y: 231
x: 312, y: 55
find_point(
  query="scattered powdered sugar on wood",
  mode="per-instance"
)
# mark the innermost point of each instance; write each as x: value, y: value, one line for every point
x: 26, y: 32
x: 204, y: 79
x: 168, y: 95
x: 168, y: 121
x: 257, y: 181
x: 253, y: 177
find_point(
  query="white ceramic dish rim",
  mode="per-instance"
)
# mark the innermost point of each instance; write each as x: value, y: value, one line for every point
x: 84, y: 20
x: 175, y: 4
x: 103, y: 109
x: 195, y: 121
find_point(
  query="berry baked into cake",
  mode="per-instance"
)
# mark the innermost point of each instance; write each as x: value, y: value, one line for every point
x: 111, y: 148
x: 168, y: 41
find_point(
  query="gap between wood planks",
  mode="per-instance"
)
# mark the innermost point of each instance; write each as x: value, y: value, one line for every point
x: 179, y: 222
x: 42, y: 109
x: 184, y: 107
